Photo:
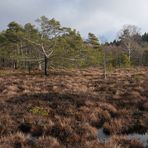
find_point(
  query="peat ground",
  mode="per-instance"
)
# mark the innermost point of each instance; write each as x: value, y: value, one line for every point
x: 68, y: 107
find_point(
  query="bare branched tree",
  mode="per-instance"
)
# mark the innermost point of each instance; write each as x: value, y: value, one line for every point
x: 129, y: 36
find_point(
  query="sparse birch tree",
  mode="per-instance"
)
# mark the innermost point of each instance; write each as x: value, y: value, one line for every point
x: 128, y: 36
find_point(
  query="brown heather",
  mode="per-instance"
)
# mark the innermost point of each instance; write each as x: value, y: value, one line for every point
x: 77, y: 103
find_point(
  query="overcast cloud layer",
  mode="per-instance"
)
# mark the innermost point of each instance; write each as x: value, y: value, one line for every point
x: 102, y: 17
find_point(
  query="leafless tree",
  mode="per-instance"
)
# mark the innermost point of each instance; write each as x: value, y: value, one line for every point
x: 129, y: 37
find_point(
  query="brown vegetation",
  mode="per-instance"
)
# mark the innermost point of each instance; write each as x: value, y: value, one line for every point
x: 71, y: 106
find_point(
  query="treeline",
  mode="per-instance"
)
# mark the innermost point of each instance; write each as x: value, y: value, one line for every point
x: 50, y: 45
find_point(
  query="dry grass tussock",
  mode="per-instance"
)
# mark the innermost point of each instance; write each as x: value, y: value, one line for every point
x: 68, y: 107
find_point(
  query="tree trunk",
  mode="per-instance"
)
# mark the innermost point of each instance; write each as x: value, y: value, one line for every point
x: 3, y: 62
x: 104, y: 65
x: 129, y: 55
x: 40, y: 66
x: 29, y: 67
x: 46, y: 65
x: 15, y: 64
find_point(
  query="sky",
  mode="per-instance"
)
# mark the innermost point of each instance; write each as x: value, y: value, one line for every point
x: 104, y: 18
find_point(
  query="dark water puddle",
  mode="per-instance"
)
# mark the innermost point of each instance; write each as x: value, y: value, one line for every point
x: 102, y: 137
x: 142, y: 138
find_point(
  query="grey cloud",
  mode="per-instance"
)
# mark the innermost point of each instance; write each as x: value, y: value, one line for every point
x: 102, y: 17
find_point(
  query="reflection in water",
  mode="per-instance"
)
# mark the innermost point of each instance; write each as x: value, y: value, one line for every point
x: 143, y: 138
x: 102, y: 136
